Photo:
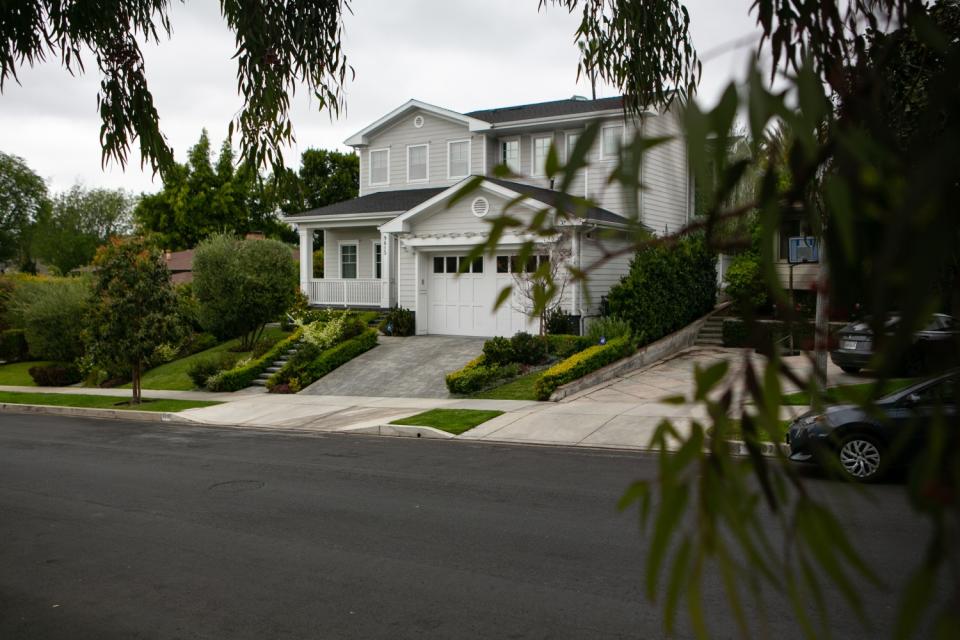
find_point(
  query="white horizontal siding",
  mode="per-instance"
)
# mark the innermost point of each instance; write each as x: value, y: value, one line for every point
x: 459, y: 218
x: 665, y: 176
x: 365, y: 237
x: 435, y: 132
x: 406, y: 278
x: 601, y: 278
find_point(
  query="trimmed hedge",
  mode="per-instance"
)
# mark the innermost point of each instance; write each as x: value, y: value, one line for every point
x: 667, y: 288
x: 477, y: 375
x: 13, y: 345
x: 565, y: 345
x: 243, y: 377
x: 55, y: 375
x: 580, y: 364
x: 326, y: 362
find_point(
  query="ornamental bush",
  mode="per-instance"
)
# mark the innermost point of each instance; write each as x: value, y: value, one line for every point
x: 399, y: 322
x: 580, y: 364
x: 528, y: 349
x: 745, y: 284
x: 55, y: 375
x: 667, y: 287
x: 607, y: 328
x: 51, y: 313
x: 498, y: 350
x: 303, y: 370
x: 478, y: 374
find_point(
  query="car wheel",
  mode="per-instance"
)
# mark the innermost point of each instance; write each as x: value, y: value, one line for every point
x: 861, y: 457
x: 850, y: 369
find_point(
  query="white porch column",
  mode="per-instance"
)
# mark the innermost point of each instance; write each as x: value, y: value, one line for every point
x: 386, y: 273
x: 306, y: 258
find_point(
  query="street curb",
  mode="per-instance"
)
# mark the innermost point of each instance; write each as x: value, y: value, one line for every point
x: 83, y: 412
x: 400, y: 431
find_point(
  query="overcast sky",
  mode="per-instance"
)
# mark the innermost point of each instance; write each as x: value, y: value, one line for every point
x: 459, y: 54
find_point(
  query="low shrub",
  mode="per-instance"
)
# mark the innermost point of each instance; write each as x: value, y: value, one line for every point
x: 559, y: 322
x: 399, y: 322
x: 301, y: 371
x: 342, y: 326
x: 478, y: 374
x: 242, y: 377
x: 55, y: 375
x: 13, y: 345
x: 202, y: 369
x: 498, y: 351
x: 528, y: 349
x: 607, y: 328
x: 262, y: 346
x: 564, y: 346
x: 580, y: 364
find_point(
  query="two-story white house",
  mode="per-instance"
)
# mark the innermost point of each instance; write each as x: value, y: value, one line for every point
x: 401, y: 241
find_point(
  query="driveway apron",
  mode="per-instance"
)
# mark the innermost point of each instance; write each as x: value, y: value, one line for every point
x: 412, y: 367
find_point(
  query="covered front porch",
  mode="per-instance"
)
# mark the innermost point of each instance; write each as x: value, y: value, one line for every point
x: 356, y: 266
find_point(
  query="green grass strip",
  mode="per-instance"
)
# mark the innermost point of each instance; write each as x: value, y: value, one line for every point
x: 100, y: 402
x: 454, y: 421
x: 18, y: 373
x: 520, y: 388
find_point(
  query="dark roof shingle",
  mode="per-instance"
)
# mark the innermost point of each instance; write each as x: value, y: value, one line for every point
x: 552, y: 198
x: 571, y: 106
x: 380, y: 202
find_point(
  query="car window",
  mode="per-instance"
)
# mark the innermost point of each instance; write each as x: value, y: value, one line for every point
x: 942, y: 393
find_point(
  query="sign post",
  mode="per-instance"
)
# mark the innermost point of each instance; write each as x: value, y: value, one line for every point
x: 801, y: 250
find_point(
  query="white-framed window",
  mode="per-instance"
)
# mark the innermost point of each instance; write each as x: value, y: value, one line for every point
x: 379, y: 167
x: 458, y: 158
x: 611, y: 139
x: 571, y: 138
x: 511, y: 263
x: 510, y: 154
x: 540, y: 147
x: 377, y: 260
x: 348, y: 259
x: 455, y: 264
x: 418, y: 158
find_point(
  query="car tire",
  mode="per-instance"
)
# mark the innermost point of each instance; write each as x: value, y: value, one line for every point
x: 850, y: 370
x: 862, y: 458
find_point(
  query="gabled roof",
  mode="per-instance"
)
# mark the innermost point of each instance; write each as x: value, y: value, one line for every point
x: 510, y: 190
x: 555, y: 108
x: 379, y: 202
x: 361, y: 137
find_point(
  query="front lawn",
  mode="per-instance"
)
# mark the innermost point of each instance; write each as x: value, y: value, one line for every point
x: 100, y: 402
x: 454, y: 421
x: 520, y: 388
x: 854, y: 393
x: 18, y: 373
x: 173, y: 375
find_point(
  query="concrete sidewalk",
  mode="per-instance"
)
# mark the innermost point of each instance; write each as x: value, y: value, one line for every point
x: 622, y: 413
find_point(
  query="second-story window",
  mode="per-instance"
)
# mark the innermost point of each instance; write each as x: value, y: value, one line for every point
x: 380, y: 166
x: 458, y: 160
x: 510, y: 155
x: 417, y: 163
x: 572, y: 138
x: 541, y: 146
x: 611, y: 141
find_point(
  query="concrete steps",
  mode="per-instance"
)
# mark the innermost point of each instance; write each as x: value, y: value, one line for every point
x: 275, y: 366
x: 711, y: 334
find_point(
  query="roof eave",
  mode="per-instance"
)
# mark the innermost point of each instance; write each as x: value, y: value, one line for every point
x: 361, y: 138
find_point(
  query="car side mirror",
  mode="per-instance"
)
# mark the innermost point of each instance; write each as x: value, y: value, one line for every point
x: 912, y: 400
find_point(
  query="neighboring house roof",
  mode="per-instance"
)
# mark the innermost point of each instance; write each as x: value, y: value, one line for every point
x: 178, y: 261
x: 552, y: 198
x: 379, y: 202
x: 555, y: 108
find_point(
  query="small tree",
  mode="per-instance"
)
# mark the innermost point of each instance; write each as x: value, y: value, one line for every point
x: 541, y: 281
x: 242, y: 284
x: 134, y: 311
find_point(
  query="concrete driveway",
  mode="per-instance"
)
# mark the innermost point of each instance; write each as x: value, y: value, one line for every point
x: 412, y: 367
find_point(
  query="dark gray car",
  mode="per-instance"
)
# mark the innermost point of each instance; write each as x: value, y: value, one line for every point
x: 867, y: 443
x: 936, y: 343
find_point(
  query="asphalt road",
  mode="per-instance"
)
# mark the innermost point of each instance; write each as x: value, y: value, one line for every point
x: 134, y: 530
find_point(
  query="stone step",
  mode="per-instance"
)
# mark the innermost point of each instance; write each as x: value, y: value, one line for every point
x: 260, y: 382
x: 273, y: 369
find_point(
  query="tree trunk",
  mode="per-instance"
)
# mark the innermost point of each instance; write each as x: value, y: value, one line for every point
x: 821, y: 329
x: 136, y: 384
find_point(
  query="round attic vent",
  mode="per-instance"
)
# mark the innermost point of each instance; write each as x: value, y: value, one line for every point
x: 418, y: 122
x: 480, y: 207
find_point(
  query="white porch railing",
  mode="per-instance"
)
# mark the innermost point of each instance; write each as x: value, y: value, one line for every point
x: 347, y: 292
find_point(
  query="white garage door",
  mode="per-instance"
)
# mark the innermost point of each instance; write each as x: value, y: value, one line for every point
x: 463, y: 305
